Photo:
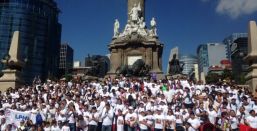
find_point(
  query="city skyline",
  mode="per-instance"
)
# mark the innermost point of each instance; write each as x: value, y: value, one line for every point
x: 181, y: 23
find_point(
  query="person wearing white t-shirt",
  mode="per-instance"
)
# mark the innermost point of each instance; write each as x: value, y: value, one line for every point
x: 65, y: 127
x: 212, y: 115
x: 47, y: 127
x: 120, y: 121
x: 142, y: 121
x: 131, y: 119
x: 3, y: 124
x: 54, y: 126
x: 107, y: 116
x: 233, y: 121
x: 252, y: 119
x: 71, y: 117
x: 170, y: 121
x: 93, y: 120
x: 195, y: 123
x: 158, y: 121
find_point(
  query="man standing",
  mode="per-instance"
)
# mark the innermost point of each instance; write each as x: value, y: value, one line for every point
x: 107, y: 117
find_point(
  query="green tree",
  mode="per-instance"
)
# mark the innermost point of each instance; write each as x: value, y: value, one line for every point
x: 212, y: 78
x: 227, y: 74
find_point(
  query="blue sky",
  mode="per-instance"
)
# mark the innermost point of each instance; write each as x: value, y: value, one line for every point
x: 87, y: 25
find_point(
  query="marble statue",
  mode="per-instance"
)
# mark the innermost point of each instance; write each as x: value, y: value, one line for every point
x: 116, y: 28
x: 153, y: 31
x: 134, y: 13
x: 142, y: 25
x: 127, y: 30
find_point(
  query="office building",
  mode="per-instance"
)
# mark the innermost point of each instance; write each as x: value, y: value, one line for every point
x: 66, y: 59
x: 230, y: 40
x: 210, y: 54
x: 37, y: 21
x: 188, y: 61
x: 239, y: 50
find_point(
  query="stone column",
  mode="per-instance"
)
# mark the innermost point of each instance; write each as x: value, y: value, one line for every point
x: 115, y: 61
x: 251, y: 58
x: 131, y: 4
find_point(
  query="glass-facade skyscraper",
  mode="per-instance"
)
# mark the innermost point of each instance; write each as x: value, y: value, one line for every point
x: 210, y: 54
x: 37, y: 21
x: 189, y: 61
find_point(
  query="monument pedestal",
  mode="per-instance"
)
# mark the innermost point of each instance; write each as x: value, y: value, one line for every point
x: 126, y: 50
x: 251, y: 77
x: 11, y: 78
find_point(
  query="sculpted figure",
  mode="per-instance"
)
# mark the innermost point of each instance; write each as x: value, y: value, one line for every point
x: 175, y: 67
x: 153, y: 31
x: 116, y: 28
x: 142, y: 30
x: 134, y: 13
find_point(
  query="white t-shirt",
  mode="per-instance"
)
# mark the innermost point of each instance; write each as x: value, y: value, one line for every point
x: 172, y: 120
x: 252, y: 121
x: 129, y: 116
x: 234, y: 123
x: 212, y: 115
x: 91, y: 121
x: 120, y: 123
x: 71, y: 117
x: 140, y: 119
x: 3, y: 127
x: 194, y: 122
x: 158, y: 121
x: 55, y: 128
x: 107, y: 117
x: 47, y: 129
x: 65, y: 128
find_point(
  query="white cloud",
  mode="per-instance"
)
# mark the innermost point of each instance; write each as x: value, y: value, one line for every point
x: 236, y: 8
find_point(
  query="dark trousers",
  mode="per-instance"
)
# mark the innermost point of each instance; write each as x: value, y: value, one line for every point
x: 99, y: 126
x: 92, y: 127
x: 157, y: 129
x: 72, y: 126
x: 106, y: 128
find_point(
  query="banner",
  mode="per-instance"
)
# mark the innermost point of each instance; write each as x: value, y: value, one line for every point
x: 15, y: 117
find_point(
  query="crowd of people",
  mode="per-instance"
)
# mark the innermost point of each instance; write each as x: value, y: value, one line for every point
x: 126, y: 104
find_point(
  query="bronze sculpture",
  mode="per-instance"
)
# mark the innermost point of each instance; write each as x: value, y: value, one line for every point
x: 175, y: 67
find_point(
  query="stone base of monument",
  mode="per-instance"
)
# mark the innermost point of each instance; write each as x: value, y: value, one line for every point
x: 11, y: 78
x: 251, y: 77
x: 175, y: 76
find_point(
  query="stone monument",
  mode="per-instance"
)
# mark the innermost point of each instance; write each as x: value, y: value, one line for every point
x: 136, y: 42
x: 251, y: 58
x: 12, y: 65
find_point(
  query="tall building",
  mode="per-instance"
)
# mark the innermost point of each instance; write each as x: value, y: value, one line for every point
x: 239, y: 50
x: 210, y: 54
x: 66, y: 59
x: 37, y: 21
x: 189, y: 61
x: 230, y: 40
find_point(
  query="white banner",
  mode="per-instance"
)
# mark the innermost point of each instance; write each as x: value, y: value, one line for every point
x: 15, y: 117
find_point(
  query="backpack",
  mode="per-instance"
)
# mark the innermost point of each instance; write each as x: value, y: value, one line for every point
x: 39, y: 119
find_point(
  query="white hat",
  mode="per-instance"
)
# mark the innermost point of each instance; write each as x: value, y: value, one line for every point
x: 131, y: 108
